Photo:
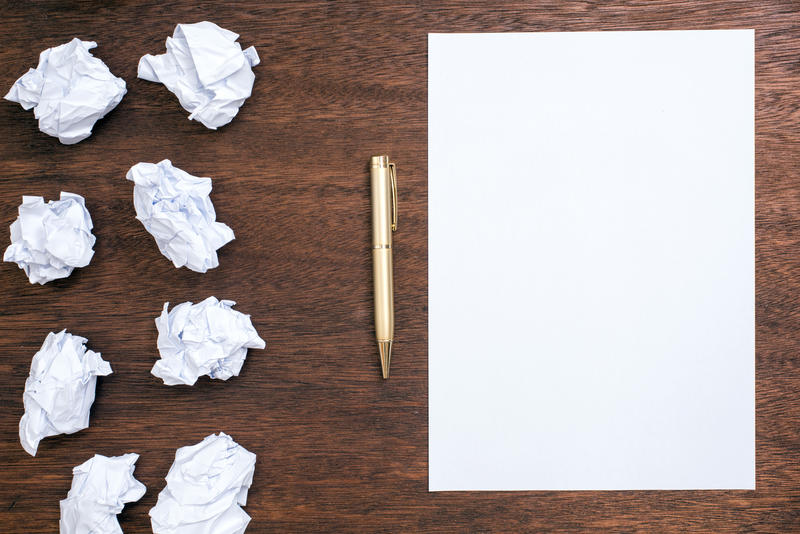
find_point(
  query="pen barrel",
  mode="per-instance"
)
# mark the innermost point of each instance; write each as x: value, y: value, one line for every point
x: 381, y: 183
x: 384, y: 293
x: 380, y: 179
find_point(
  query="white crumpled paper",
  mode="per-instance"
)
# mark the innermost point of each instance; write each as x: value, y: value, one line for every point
x: 206, y: 487
x: 100, y: 488
x: 49, y: 240
x: 208, y: 338
x: 60, y: 389
x: 206, y: 69
x: 69, y: 91
x: 175, y: 208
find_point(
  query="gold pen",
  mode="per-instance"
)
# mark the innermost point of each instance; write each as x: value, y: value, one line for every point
x: 383, y: 178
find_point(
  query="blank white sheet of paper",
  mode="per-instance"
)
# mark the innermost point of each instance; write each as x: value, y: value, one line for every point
x: 591, y: 260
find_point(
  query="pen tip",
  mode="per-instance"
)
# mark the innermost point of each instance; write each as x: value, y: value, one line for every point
x: 385, y: 352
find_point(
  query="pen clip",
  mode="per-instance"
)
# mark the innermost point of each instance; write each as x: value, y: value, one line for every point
x: 393, y: 175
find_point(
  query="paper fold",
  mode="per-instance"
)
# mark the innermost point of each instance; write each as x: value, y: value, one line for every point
x: 208, y: 338
x: 206, y: 487
x: 60, y: 389
x: 48, y: 240
x: 206, y: 69
x: 69, y: 91
x: 100, y: 488
x: 175, y: 208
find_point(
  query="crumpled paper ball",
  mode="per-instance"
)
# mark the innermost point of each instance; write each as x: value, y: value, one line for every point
x: 206, y: 487
x: 49, y: 240
x: 100, y: 488
x: 175, y: 208
x: 209, y: 338
x: 206, y: 69
x: 60, y: 389
x: 69, y: 91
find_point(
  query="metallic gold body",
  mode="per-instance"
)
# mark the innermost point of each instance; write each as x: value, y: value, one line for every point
x: 384, y: 222
x: 384, y: 293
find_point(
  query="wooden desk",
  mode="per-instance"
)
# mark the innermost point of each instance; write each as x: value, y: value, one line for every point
x: 338, y: 449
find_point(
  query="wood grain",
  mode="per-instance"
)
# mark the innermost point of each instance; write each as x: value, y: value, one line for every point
x: 338, y: 449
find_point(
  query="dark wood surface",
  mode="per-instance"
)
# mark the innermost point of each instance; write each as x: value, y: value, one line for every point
x: 338, y: 449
